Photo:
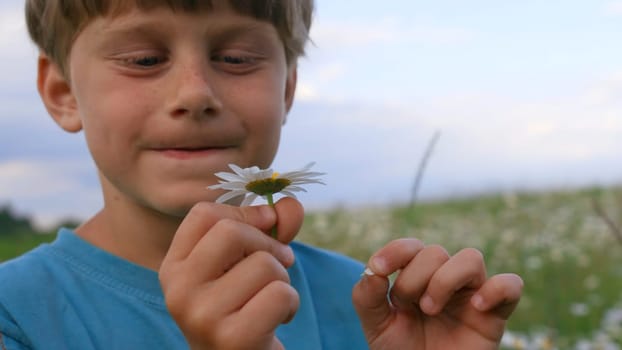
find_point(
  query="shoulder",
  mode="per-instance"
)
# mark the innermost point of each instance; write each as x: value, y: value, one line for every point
x: 22, y: 279
x: 19, y: 274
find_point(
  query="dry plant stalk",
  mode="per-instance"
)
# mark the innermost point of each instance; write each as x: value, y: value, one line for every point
x: 421, y: 168
x: 612, y: 225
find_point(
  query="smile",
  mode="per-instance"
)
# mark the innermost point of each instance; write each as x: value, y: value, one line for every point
x: 191, y: 153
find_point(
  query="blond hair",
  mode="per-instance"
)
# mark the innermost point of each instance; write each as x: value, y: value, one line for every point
x: 54, y: 24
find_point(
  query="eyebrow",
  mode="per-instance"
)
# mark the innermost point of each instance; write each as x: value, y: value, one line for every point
x: 149, y: 27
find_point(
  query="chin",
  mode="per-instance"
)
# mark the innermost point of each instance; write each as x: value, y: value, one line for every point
x: 177, y: 208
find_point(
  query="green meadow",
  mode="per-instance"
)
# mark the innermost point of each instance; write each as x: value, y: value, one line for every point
x: 568, y: 255
x: 566, y: 245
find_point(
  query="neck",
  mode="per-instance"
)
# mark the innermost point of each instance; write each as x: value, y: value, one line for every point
x: 131, y: 232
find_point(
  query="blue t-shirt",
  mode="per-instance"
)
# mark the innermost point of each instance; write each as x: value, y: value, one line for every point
x: 72, y: 295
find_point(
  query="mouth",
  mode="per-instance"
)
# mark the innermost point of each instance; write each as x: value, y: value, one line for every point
x: 190, y: 152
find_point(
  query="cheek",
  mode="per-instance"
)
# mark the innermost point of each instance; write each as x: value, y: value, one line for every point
x: 264, y: 136
x: 114, y: 105
x: 113, y: 122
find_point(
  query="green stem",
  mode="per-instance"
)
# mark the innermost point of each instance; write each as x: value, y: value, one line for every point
x: 271, y: 203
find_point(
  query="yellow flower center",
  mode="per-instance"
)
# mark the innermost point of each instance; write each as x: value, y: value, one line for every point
x: 269, y: 185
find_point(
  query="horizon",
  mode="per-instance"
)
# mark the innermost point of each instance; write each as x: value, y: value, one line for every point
x: 526, y: 96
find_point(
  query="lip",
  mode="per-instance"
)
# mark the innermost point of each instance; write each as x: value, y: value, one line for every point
x: 190, y: 153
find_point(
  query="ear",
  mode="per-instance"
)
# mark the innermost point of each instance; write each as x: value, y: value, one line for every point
x: 55, y: 91
x: 290, y: 88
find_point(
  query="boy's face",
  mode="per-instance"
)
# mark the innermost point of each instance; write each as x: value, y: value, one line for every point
x: 167, y: 99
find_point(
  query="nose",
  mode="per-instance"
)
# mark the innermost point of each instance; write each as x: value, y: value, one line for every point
x: 194, y: 94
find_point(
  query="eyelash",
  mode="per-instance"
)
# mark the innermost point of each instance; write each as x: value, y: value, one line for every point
x: 145, y: 61
x: 234, y: 60
x: 153, y: 60
x: 232, y: 63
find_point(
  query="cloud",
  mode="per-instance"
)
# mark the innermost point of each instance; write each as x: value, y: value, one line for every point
x: 12, y: 26
x: 52, y: 189
x: 17, y: 179
x: 323, y: 75
x: 330, y: 34
x: 555, y: 130
x: 18, y: 53
x: 613, y: 8
x: 606, y: 91
x: 488, y: 142
x: 13, y: 33
x: 306, y: 92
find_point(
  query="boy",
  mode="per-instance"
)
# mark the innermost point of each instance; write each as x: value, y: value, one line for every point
x: 167, y: 94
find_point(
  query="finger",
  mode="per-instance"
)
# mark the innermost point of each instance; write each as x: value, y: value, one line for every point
x: 228, y: 243
x: 413, y: 280
x: 274, y: 304
x: 499, y: 294
x: 369, y: 297
x: 203, y: 216
x: 466, y: 269
x: 394, y: 256
x: 210, y: 311
x: 244, y: 281
x: 290, y: 215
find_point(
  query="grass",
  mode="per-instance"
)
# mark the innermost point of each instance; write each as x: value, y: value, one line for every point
x: 568, y: 257
x: 14, y: 245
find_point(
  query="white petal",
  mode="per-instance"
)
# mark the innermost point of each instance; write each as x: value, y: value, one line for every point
x: 229, y: 176
x: 235, y: 168
x: 216, y: 186
x: 301, y: 170
x: 298, y: 178
x: 308, y: 166
x: 232, y: 186
x: 264, y: 174
x: 228, y: 186
x: 236, y: 182
x: 250, y: 172
x: 288, y: 194
x: 307, y: 181
x: 294, y: 189
x: 253, y: 173
x: 229, y: 195
x: 249, y: 199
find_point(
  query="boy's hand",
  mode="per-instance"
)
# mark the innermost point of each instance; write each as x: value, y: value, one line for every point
x: 437, y: 301
x: 224, y: 278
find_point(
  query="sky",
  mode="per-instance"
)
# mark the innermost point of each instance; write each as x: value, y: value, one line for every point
x: 526, y: 95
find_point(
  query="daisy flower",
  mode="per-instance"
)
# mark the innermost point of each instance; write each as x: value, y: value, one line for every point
x: 254, y: 182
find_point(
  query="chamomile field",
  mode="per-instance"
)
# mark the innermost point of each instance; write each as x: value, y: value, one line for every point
x: 566, y: 251
x: 565, y: 245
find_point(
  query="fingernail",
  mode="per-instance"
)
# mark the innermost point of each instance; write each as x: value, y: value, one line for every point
x: 427, y: 304
x: 288, y: 254
x: 478, y: 302
x: 378, y: 265
x: 267, y: 212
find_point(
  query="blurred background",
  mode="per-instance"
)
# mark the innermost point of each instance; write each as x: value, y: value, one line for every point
x: 523, y: 101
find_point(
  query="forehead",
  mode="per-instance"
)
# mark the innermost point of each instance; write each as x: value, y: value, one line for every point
x: 261, y: 9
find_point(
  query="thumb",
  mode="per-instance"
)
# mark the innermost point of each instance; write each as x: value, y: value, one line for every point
x: 290, y: 215
x: 370, y: 300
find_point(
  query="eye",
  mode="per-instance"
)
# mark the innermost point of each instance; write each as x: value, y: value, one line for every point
x: 236, y: 63
x: 235, y: 60
x: 146, y: 61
